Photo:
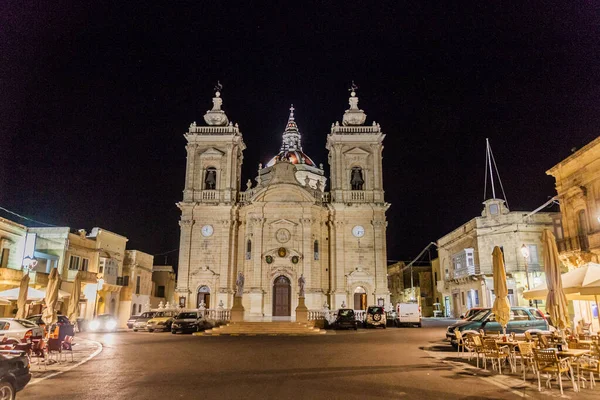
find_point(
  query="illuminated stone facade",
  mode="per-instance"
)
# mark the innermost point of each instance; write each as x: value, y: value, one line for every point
x: 578, y: 186
x: 284, y: 225
x: 465, y: 256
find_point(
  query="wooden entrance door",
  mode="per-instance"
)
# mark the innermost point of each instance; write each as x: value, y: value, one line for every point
x: 282, y: 297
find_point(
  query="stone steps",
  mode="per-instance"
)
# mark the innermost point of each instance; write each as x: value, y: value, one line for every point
x: 263, y: 328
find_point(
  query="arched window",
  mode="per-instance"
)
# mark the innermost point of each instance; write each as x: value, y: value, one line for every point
x: 316, y: 249
x: 356, y: 178
x: 248, y: 249
x: 139, y: 308
x: 133, y: 309
x: 210, y: 180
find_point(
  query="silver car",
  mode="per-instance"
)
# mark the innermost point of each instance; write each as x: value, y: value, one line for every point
x: 142, y: 321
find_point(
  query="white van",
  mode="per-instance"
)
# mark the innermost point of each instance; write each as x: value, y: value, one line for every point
x: 408, y: 314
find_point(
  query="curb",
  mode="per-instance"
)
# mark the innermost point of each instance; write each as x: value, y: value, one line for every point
x: 88, y: 358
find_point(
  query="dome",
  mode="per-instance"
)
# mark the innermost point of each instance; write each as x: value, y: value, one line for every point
x: 293, y: 156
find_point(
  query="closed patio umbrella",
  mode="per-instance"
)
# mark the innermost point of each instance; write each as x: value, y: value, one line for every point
x: 49, y: 315
x: 73, y: 310
x: 501, y: 308
x: 556, y: 301
x: 22, y: 300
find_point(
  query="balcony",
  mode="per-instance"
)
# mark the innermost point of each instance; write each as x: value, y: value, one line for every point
x: 10, y: 276
x: 85, y: 276
x: 466, y: 271
x: 573, y: 244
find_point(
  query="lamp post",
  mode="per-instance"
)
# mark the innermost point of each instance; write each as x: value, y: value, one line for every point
x: 525, y: 253
x: 99, y: 285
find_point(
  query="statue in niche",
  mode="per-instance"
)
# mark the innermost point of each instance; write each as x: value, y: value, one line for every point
x: 239, y: 283
x: 357, y: 180
x: 210, y: 182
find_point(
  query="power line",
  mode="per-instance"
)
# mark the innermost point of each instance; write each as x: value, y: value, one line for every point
x: 166, y: 252
x: 26, y: 218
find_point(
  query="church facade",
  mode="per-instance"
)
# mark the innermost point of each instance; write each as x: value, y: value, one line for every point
x: 285, y: 224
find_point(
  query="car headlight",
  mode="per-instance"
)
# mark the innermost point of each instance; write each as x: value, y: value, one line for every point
x: 94, y: 325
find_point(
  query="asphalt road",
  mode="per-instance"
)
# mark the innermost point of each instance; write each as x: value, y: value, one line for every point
x: 366, y: 364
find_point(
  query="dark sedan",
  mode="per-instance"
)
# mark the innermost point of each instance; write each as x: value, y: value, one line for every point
x: 189, y: 321
x: 345, y: 319
x: 14, y: 373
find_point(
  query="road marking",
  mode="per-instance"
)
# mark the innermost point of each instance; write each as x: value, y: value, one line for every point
x: 94, y: 354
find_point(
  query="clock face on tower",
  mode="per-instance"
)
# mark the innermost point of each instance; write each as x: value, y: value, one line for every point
x: 358, y: 231
x: 207, y: 230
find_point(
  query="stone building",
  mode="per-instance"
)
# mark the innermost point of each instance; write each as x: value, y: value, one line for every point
x: 421, y: 291
x: 466, y: 257
x: 578, y: 236
x: 578, y: 186
x: 163, y: 286
x: 137, y: 284
x: 285, y: 225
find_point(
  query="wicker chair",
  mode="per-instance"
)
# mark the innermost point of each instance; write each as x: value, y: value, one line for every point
x: 475, y: 346
x: 527, y: 357
x: 589, y: 363
x: 497, y: 354
x: 460, y: 342
x: 546, y: 360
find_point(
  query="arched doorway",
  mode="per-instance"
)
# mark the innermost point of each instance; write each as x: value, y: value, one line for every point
x: 282, y: 297
x: 360, y: 298
x: 203, y: 296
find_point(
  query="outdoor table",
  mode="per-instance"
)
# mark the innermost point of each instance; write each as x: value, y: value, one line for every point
x: 574, y: 353
x: 511, y: 344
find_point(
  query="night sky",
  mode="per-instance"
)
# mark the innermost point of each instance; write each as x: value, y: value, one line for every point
x: 95, y: 99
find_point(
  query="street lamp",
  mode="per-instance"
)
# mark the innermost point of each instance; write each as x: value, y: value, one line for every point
x: 99, y: 285
x: 525, y: 253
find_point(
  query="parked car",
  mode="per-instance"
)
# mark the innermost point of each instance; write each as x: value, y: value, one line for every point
x: 521, y: 319
x: 103, y: 323
x: 409, y: 314
x: 14, y: 373
x: 345, y: 318
x: 141, y: 324
x: 471, y: 312
x: 161, y: 321
x: 189, y: 321
x: 131, y: 320
x: 13, y: 331
x: 375, y: 316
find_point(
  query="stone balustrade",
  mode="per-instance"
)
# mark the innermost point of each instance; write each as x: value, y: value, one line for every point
x: 219, y: 314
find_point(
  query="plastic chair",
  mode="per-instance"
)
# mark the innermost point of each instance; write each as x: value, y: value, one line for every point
x: 546, y: 360
x: 477, y: 347
x: 38, y: 350
x: 67, y: 345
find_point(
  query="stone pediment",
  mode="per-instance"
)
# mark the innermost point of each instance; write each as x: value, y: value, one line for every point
x: 212, y: 153
x: 284, y: 193
x: 359, y: 274
x: 356, y: 151
x: 282, y: 223
x: 205, y: 270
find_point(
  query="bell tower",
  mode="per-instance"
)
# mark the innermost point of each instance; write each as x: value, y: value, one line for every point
x: 357, y: 221
x: 212, y: 184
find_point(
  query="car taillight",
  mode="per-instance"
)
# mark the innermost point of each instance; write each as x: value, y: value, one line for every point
x: 28, y: 335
